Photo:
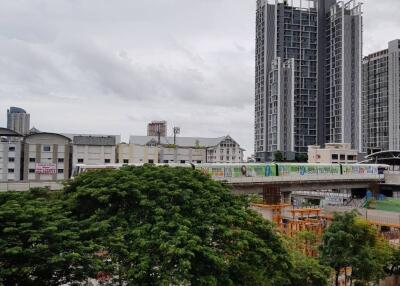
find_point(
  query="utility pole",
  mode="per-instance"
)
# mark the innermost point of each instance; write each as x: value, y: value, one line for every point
x: 177, y: 130
x: 159, y: 134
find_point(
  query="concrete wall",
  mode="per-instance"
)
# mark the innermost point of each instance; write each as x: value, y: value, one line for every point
x: 182, y: 155
x: 93, y: 155
x: 136, y: 154
x: 26, y: 186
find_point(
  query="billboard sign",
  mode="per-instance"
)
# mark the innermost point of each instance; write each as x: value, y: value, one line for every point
x: 46, y: 168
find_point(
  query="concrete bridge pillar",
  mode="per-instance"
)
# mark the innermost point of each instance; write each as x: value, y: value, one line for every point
x: 272, y: 195
x: 286, y: 198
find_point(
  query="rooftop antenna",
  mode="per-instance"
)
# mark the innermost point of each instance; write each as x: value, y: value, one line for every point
x: 159, y: 133
x: 177, y: 130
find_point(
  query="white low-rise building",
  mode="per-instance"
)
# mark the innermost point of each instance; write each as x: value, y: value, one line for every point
x: 137, y: 154
x: 224, y: 150
x: 10, y: 155
x: 333, y: 153
x: 46, y: 157
x: 182, y: 155
x: 191, y: 149
x: 94, y: 150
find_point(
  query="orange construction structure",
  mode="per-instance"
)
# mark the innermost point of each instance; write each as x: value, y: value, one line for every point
x: 301, y: 219
x: 276, y: 211
x: 292, y: 221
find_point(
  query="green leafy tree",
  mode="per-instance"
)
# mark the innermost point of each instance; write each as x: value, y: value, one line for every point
x: 350, y: 243
x: 39, y: 244
x: 278, y: 156
x: 393, y: 266
x: 144, y: 226
x: 302, y: 158
x: 175, y: 226
x: 306, y: 270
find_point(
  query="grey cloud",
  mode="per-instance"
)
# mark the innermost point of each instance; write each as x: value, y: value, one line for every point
x: 117, y: 64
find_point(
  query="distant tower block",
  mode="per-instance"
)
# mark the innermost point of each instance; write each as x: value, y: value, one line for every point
x: 18, y: 120
x: 157, y: 128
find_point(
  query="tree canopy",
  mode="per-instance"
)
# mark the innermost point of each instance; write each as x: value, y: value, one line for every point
x: 141, y: 226
x: 278, y: 156
x: 350, y: 242
x: 39, y: 244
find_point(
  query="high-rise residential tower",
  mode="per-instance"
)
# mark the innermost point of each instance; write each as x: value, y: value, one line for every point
x: 381, y: 99
x: 18, y: 120
x: 308, y: 75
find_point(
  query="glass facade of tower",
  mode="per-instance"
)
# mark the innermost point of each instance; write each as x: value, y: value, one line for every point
x: 299, y: 41
x: 375, y: 109
x: 260, y: 88
x: 381, y: 100
x: 308, y: 75
x: 343, y: 74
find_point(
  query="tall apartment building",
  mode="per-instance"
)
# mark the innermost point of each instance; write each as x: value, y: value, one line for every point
x: 18, y: 120
x: 381, y: 99
x: 375, y: 102
x: 308, y: 75
x: 157, y: 128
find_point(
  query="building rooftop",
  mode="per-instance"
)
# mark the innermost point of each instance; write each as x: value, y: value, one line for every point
x: 72, y: 135
x: 95, y: 140
x: 180, y: 141
x: 14, y: 109
x: 9, y: 133
x: 330, y: 146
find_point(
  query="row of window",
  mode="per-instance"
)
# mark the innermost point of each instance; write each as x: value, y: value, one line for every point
x: 32, y: 171
x: 343, y: 157
x: 33, y: 160
x: 106, y: 161
x: 59, y: 160
x: 46, y: 148
x: 59, y: 171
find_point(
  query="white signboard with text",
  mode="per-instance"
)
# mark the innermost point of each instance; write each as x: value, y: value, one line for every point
x: 46, y: 168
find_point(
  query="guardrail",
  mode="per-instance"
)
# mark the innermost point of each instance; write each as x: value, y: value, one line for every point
x: 321, y: 194
x: 373, y: 216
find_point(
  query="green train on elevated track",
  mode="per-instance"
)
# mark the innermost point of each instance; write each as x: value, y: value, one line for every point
x: 217, y: 170
x: 288, y: 169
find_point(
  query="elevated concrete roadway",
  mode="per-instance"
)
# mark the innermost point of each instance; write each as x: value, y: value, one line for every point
x: 303, y: 183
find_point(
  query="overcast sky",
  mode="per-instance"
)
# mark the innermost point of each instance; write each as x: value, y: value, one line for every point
x: 101, y: 66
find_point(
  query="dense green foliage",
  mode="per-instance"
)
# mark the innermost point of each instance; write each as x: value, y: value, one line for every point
x: 278, y: 156
x: 174, y: 226
x: 39, y: 244
x: 351, y: 243
x: 144, y: 226
x: 307, y: 270
x: 302, y: 158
